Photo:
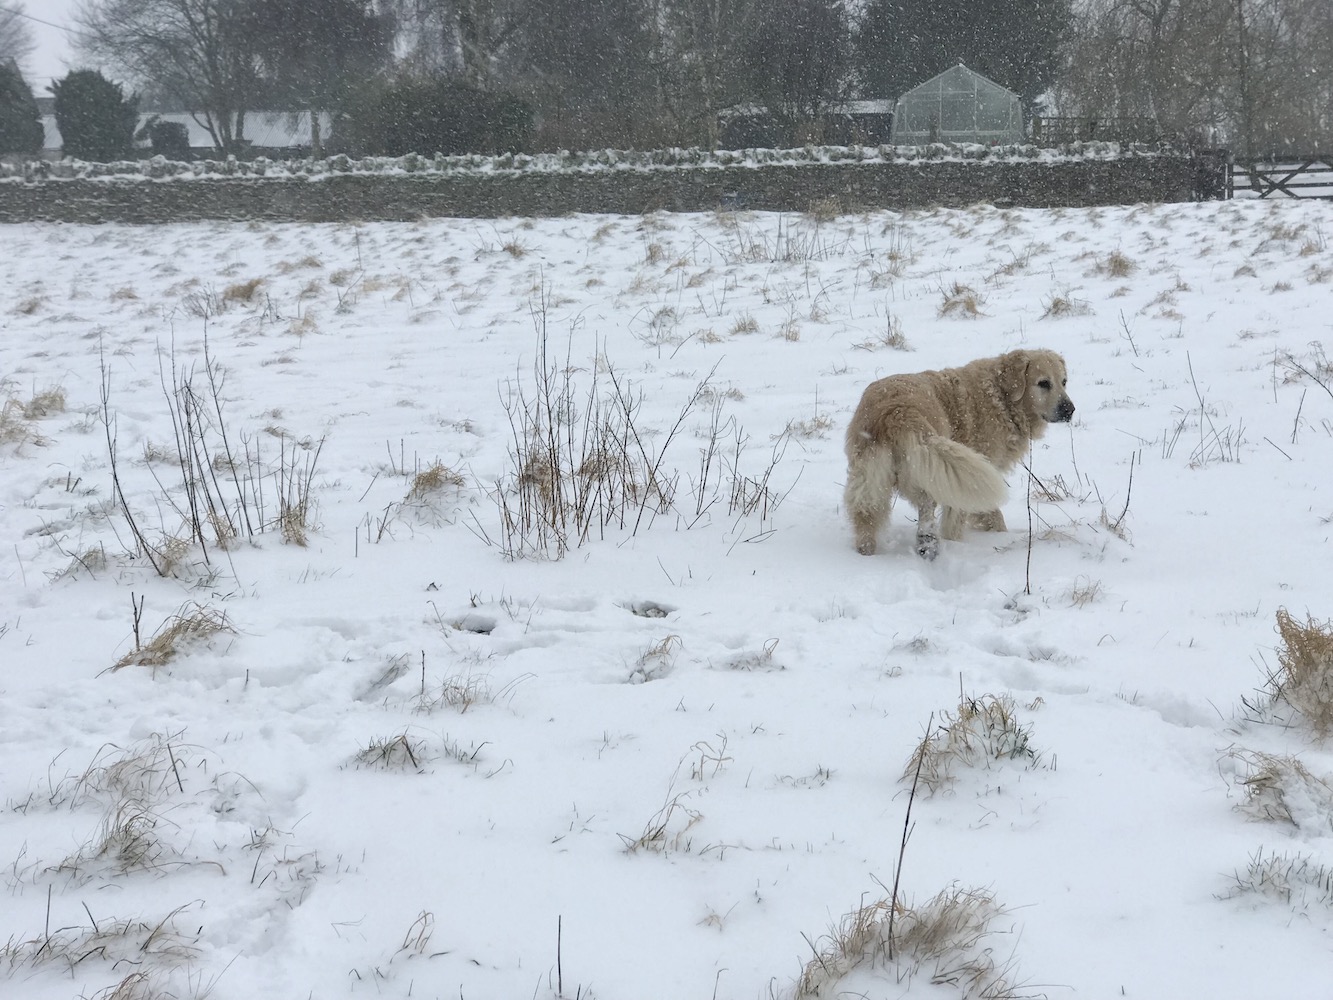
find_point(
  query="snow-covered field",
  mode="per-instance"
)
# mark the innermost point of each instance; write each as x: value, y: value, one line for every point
x: 432, y: 753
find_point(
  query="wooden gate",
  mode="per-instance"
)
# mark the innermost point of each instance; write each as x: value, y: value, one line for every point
x: 1307, y: 176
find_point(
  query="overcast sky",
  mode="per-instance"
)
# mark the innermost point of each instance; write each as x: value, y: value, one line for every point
x: 55, y: 49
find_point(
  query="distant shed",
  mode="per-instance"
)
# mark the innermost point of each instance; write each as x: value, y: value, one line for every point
x: 958, y: 105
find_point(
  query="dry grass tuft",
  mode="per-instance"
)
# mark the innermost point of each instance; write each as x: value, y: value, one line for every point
x: 824, y: 210
x: 13, y: 427
x: 1116, y: 265
x: 45, y: 403
x: 114, y: 942
x: 892, y: 337
x: 1059, y: 306
x: 667, y: 829
x: 1297, y: 880
x: 745, y: 324
x: 1304, y: 679
x: 1279, y: 787
x: 960, y: 301
x: 242, y: 291
x: 393, y: 753
x: 1084, y: 592
x: 657, y: 660
x: 981, y: 731
x: 435, y: 479
x: 457, y: 691
x: 945, y: 939
x: 817, y: 426
x: 184, y: 629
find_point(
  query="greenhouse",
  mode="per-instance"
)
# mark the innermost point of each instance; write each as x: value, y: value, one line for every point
x: 958, y: 105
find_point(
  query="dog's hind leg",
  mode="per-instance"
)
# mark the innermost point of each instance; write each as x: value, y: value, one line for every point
x: 869, y: 496
x: 951, y: 523
x: 927, y: 524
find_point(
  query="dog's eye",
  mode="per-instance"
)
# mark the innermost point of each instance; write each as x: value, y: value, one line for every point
x: 1044, y: 383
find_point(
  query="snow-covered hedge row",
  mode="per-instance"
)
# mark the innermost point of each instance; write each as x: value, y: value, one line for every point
x: 159, y: 168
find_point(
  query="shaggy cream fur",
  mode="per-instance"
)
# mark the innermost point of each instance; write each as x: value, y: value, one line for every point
x: 943, y: 439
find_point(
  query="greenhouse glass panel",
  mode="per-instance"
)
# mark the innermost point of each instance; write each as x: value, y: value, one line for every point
x: 958, y: 105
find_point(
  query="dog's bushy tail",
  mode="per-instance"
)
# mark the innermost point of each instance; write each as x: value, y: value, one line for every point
x: 954, y: 475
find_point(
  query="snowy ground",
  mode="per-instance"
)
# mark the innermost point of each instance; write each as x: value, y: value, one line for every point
x: 417, y: 756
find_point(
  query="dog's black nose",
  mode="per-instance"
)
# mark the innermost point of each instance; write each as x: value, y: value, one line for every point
x: 1064, y: 411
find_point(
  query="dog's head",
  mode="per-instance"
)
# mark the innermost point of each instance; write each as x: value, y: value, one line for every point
x: 1034, y: 382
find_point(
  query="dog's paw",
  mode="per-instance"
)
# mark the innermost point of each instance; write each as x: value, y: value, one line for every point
x: 867, y: 547
x: 927, y: 547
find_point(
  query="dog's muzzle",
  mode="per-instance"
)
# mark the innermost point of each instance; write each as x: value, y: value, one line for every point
x: 1064, y: 412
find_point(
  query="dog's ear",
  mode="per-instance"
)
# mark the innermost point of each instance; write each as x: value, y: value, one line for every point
x: 1014, y: 375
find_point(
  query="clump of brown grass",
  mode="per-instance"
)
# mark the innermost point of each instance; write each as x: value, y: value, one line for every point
x: 189, y: 626
x: 1116, y: 265
x: 457, y: 691
x: 745, y: 324
x: 657, y: 660
x: 115, y: 942
x: 13, y: 427
x: 980, y: 731
x: 824, y: 210
x: 434, y: 479
x: 1304, y: 679
x: 242, y: 291
x: 960, y: 301
x: 44, y: 403
x: 892, y: 337
x: 817, y: 426
x: 1279, y: 787
x: 1058, y: 306
x: 945, y: 939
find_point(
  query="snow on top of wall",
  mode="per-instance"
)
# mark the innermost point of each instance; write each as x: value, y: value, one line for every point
x: 159, y: 168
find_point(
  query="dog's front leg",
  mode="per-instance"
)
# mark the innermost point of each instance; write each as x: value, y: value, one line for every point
x: 927, y: 533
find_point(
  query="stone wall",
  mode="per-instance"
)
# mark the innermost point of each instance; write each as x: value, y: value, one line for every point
x: 771, y: 187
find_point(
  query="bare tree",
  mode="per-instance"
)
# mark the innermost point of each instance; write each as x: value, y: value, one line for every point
x: 700, y: 61
x: 470, y: 39
x: 16, y: 41
x: 1158, y: 59
x: 1254, y: 73
x: 799, y: 59
x: 200, y: 53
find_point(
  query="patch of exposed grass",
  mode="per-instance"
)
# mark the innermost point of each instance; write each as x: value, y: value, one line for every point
x: 1116, y: 265
x: 393, y: 753
x: 745, y: 324
x: 432, y: 480
x: 980, y: 732
x: 947, y: 940
x: 1059, y: 306
x: 960, y: 301
x: 1295, y: 879
x: 1301, y: 688
x: 242, y: 291
x: 116, y: 943
x: 190, y: 626
x: 1280, y: 788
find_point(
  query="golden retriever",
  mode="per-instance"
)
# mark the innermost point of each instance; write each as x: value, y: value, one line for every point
x: 944, y: 438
